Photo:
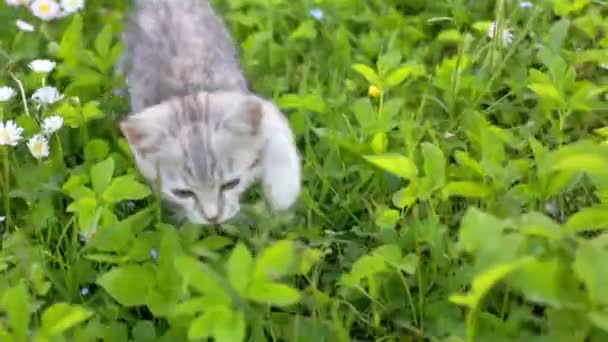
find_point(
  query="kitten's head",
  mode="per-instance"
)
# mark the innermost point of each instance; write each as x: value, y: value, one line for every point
x: 208, y: 148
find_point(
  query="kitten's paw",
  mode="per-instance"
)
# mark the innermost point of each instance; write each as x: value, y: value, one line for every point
x: 283, y: 191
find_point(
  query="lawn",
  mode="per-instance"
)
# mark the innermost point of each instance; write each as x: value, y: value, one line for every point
x: 455, y: 179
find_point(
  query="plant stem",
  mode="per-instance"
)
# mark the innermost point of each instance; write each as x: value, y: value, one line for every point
x: 61, y: 155
x: 21, y: 91
x: 410, y: 299
x: 7, y: 186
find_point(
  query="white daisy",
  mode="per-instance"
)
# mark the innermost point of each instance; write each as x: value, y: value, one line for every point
x: 507, y: 36
x: 52, y: 124
x: 71, y: 6
x: 42, y: 65
x: 6, y: 93
x: 45, y: 9
x: 10, y: 133
x: 17, y: 2
x: 525, y: 4
x: 2, y: 219
x: 39, y: 146
x: 24, y: 26
x: 47, y: 95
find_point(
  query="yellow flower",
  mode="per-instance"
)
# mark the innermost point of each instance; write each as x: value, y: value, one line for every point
x: 374, y: 91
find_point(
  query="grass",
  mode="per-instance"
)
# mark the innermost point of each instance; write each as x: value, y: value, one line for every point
x: 455, y: 182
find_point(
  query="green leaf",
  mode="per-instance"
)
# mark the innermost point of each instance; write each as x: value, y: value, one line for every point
x: 559, y: 182
x: 306, y: 30
x: 71, y: 39
x: 88, y: 213
x: 485, y: 281
x: 465, y: 160
x: 387, y: 219
x: 125, y: 188
x: 390, y: 253
x: 129, y: 284
x: 583, y: 156
x: 221, y: 323
x: 370, y: 74
x: 364, y: 113
x: 379, y: 142
x: 311, y: 102
x: 588, y: 219
x: 210, y: 244
x: 62, y: 316
x: 101, y: 175
x: 91, y: 110
x: 590, y: 267
x: 272, y: 293
x: 599, y: 319
x: 201, y: 277
x: 276, y: 260
x: 231, y: 328
x: 395, y: 163
x: 466, y: 189
x: 239, y: 268
x: 547, y: 91
x: 365, y: 267
x: 397, y: 77
x: 308, y: 259
x: 538, y: 224
x: 434, y: 163
x: 204, y: 326
x: 96, y: 150
x: 409, y: 264
x: 481, y: 232
x: 564, y: 8
x: 541, y: 281
x: 144, y: 331
x: 388, y: 61
x: 103, y: 41
x: 405, y: 197
x: 16, y: 305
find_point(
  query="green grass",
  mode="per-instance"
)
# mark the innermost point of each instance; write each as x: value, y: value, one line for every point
x: 462, y: 198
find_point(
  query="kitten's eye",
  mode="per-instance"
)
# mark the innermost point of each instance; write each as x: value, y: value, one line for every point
x: 230, y: 185
x: 183, y: 193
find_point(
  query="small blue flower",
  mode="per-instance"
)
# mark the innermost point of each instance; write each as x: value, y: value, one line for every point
x: 316, y: 13
x: 154, y: 254
x: 84, y: 291
x: 526, y: 4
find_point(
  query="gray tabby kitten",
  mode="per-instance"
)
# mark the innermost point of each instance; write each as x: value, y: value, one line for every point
x: 195, y: 117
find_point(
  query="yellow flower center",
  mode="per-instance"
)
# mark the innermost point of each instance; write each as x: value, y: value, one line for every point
x: 44, y: 8
x: 5, y: 135
x: 37, y: 148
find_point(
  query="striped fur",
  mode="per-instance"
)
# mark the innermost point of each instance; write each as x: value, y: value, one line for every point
x: 195, y: 122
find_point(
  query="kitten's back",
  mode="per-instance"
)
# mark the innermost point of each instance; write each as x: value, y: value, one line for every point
x: 175, y: 48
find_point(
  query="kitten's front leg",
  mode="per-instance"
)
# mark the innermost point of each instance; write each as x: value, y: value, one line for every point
x: 281, y: 172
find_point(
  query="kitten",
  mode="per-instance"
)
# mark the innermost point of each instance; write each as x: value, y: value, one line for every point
x: 196, y: 124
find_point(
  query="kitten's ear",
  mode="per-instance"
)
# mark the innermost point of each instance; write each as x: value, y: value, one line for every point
x: 281, y: 168
x: 245, y: 116
x: 143, y: 131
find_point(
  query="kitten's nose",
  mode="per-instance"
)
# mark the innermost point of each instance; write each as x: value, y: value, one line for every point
x: 211, y: 212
